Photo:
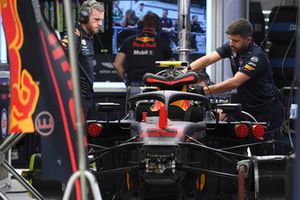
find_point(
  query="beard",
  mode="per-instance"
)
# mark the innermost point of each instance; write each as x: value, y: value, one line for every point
x: 241, y: 49
x: 93, y: 30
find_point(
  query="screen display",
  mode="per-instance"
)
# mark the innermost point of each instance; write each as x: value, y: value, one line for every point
x: 3, y: 49
x: 126, y: 15
x: 118, y: 27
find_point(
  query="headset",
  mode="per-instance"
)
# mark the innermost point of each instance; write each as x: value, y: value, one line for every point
x: 85, y: 10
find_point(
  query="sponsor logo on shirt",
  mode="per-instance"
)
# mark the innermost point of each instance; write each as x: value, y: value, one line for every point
x: 144, y: 42
x: 84, y: 46
x: 77, y: 32
x: 252, y: 64
x: 145, y: 39
x: 249, y: 68
x: 254, y: 59
x: 143, y: 52
x: 144, y: 45
x: 83, y: 42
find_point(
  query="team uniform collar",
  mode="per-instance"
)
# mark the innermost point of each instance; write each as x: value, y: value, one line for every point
x: 83, y: 32
x: 149, y: 31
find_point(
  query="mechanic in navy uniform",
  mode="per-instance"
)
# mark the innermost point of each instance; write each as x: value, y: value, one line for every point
x: 168, y: 29
x: 139, y: 52
x: 89, y: 23
x: 195, y: 28
x: 252, y: 77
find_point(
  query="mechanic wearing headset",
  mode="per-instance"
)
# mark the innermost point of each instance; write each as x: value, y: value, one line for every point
x: 89, y: 23
x: 139, y: 52
x: 252, y: 77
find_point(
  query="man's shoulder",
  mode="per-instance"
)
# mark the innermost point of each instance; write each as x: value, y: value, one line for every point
x: 256, y: 53
x: 256, y: 57
x: 225, y: 46
x: 78, y: 33
x: 224, y: 50
x: 131, y: 38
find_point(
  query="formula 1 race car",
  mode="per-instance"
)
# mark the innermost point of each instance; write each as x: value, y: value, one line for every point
x: 176, y: 143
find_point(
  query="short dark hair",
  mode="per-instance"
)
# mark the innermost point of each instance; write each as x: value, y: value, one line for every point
x: 151, y: 20
x: 240, y: 27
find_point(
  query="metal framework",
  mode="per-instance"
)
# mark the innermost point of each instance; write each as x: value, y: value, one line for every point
x: 82, y: 173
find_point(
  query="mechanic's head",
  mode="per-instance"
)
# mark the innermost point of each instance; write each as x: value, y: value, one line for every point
x: 151, y: 21
x: 195, y: 18
x: 165, y: 13
x: 240, y: 35
x: 141, y: 6
x: 91, y: 16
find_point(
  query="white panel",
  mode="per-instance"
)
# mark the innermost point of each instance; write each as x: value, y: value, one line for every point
x: 221, y: 13
x: 3, y: 51
x: 214, y: 35
x: 235, y: 9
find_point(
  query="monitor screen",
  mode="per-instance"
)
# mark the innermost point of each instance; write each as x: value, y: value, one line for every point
x: 126, y: 15
x: 115, y: 30
x: 3, y: 49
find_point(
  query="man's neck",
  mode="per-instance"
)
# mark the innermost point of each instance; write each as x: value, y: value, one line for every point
x: 149, y: 30
x: 83, y: 26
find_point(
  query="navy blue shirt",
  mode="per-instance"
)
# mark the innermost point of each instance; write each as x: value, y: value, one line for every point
x: 166, y: 22
x: 84, y: 44
x: 260, y: 90
x: 142, y: 50
x: 85, y: 53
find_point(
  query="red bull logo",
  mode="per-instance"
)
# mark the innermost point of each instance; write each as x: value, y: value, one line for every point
x: 24, y: 90
x: 144, y: 42
x: 145, y: 39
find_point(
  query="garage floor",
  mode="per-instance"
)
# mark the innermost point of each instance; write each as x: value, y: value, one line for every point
x: 17, y: 192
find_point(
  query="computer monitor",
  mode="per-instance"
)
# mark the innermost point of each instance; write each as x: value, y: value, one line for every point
x: 134, y: 10
x: 114, y: 33
x: 3, y: 48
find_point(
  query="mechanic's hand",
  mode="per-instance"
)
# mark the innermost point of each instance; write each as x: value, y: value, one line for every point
x: 196, y: 88
x: 187, y: 69
x: 206, y: 91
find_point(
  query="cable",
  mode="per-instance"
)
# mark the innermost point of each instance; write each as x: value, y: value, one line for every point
x: 206, y: 82
x: 249, y: 115
x: 101, y: 45
x: 109, y: 58
x: 286, y: 124
x: 270, y: 27
x: 284, y: 58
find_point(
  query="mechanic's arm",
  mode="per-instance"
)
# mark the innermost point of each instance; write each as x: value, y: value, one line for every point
x: 119, y: 65
x: 205, y: 61
x: 227, y: 85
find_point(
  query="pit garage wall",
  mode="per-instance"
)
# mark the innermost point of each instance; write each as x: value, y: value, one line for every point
x: 296, y: 168
x: 220, y: 14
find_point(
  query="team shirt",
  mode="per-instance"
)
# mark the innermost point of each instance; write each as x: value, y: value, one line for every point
x: 85, y: 53
x: 142, y: 50
x: 259, y: 91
